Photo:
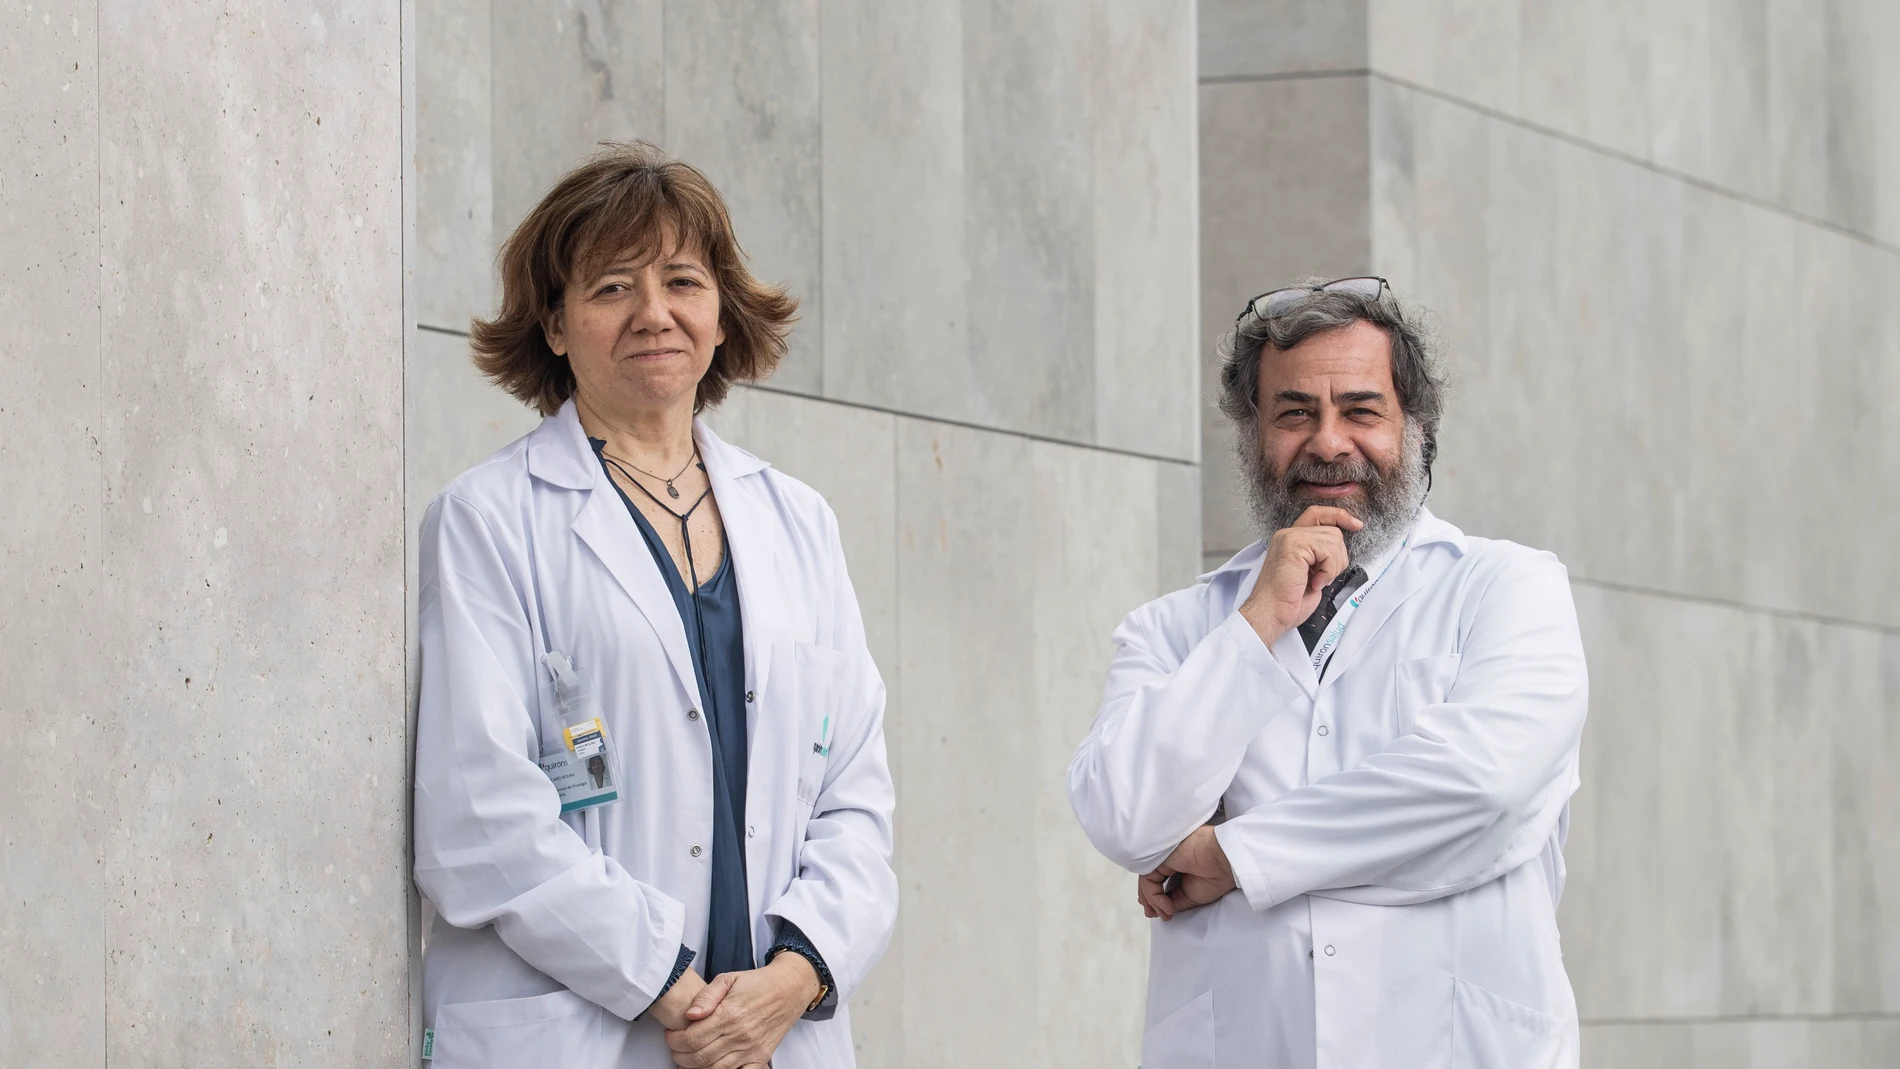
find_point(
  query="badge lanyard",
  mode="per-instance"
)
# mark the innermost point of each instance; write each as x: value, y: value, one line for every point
x: 1323, y: 651
x: 581, y: 759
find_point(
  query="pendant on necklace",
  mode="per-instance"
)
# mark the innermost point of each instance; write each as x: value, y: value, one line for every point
x: 671, y: 491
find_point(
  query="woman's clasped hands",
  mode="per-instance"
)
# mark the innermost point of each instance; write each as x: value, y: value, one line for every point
x: 738, y: 1019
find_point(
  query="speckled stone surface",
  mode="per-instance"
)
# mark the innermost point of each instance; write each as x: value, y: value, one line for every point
x: 1785, y: 103
x: 250, y: 537
x: 1734, y: 855
x: 1661, y: 383
x: 56, y: 780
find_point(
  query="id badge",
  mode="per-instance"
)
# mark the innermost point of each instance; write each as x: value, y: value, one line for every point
x: 581, y: 760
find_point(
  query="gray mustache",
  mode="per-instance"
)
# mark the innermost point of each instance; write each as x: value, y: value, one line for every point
x: 1358, y: 471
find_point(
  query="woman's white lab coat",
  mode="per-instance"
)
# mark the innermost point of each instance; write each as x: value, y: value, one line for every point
x: 554, y: 933
x: 1396, y: 828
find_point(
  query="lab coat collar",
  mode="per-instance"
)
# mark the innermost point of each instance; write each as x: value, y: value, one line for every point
x: 559, y: 453
x: 1381, y: 602
x: 1426, y: 530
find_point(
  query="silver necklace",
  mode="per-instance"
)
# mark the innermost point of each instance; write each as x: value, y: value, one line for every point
x: 671, y: 491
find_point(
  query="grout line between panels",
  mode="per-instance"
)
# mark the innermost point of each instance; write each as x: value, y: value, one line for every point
x: 1646, y: 164
x: 1572, y: 139
x: 1285, y: 76
x: 890, y: 411
x: 1740, y: 606
x: 99, y: 544
x: 1762, y: 1018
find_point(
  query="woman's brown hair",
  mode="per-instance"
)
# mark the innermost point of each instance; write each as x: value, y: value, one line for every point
x: 622, y: 199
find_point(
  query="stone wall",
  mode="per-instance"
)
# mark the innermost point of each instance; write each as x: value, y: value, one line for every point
x: 1661, y: 242
x: 204, y: 793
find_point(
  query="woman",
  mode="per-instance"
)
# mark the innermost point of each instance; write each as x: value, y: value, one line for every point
x: 653, y: 811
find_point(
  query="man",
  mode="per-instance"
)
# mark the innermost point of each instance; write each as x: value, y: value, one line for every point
x: 1342, y: 764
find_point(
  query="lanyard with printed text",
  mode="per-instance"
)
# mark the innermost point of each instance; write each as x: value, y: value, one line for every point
x: 1323, y: 650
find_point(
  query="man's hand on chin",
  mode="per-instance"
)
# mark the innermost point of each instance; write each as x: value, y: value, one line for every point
x: 1195, y: 874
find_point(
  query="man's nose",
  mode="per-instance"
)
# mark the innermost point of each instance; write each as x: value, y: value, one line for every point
x: 1330, y: 441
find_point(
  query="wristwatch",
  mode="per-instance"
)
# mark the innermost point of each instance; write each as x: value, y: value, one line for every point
x: 818, y: 970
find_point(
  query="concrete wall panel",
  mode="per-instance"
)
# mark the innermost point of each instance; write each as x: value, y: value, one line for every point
x: 896, y: 322
x: 1774, y: 100
x: 566, y: 76
x: 455, y: 277
x: 1005, y: 179
x: 1625, y: 403
x: 1732, y: 761
x: 1092, y: 537
x: 1029, y: 228
x: 1003, y: 644
x: 52, y: 795
x: 742, y: 105
x: 1742, y: 1044
x: 1147, y: 347
x: 252, y: 618
x: 1284, y: 192
x: 456, y: 418
x: 970, y: 761
x: 1252, y: 38
x: 1178, y: 523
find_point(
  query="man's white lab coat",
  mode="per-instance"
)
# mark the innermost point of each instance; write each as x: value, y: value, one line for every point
x: 1395, y: 828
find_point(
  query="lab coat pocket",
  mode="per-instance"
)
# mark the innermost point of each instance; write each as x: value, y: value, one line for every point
x: 1491, y: 1032
x: 1419, y: 683
x: 818, y: 679
x: 1183, y: 1039
x: 558, y: 1028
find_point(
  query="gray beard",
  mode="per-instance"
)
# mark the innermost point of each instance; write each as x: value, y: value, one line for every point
x: 1392, y: 498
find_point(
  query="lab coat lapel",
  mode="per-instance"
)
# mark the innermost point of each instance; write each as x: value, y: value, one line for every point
x: 1381, y: 602
x: 1289, y: 649
x: 749, y: 538
x: 607, y: 528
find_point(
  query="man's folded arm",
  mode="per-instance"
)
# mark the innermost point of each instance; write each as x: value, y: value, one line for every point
x: 1171, y: 734
x: 1472, y: 792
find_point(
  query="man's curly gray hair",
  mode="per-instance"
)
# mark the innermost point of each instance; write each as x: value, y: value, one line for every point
x: 1416, y: 373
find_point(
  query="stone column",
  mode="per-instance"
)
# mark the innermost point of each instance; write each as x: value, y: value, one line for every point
x: 205, y: 795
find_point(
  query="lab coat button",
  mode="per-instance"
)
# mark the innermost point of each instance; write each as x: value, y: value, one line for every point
x: 750, y: 831
x: 748, y: 695
x: 1322, y: 729
x: 692, y: 714
x: 1329, y: 950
